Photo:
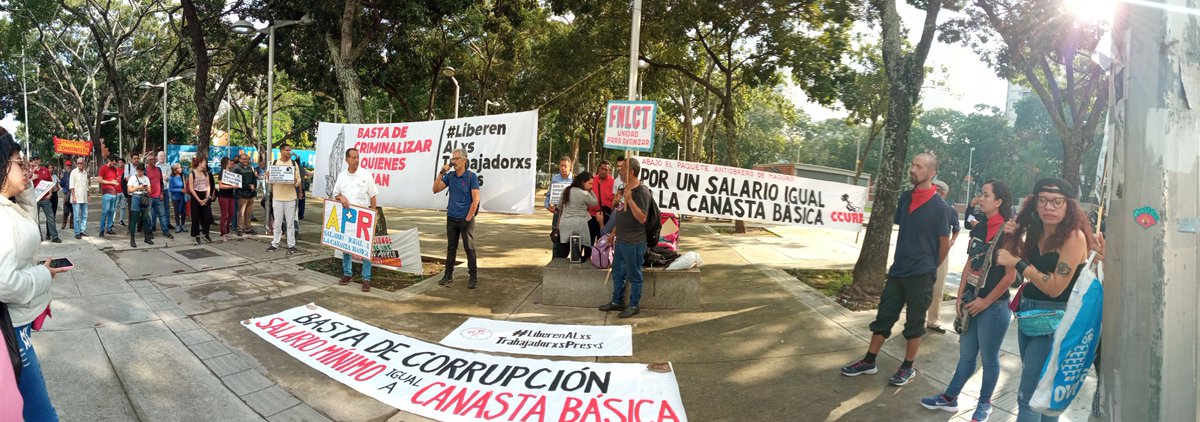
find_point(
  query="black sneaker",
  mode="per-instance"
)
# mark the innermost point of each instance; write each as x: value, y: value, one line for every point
x: 78, y: 236
x: 611, y: 307
x: 84, y: 234
x: 903, y: 376
x: 102, y: 234
x: 197, y: 240
x: 472, y: 282
x: 629, y: 312
x: 57, y: 240
x: 132, y: 243
x: 111, y: 232
x: 446, y: 279
x: 149, y: 241
x: 272, y: 249
x: 168, y: 235
x: 292, y: 250
x: 207, y: 239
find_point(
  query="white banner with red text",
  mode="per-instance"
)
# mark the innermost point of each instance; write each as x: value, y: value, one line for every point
x: 709, y: 190
x: 406, y: 157
x: 451, y: 385
x: 531, y: 338
x: 396, y: 251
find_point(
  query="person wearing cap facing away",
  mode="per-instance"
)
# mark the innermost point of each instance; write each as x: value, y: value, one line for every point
x: 921, y: 246
x: 44, y: 204
x: 934, y: 312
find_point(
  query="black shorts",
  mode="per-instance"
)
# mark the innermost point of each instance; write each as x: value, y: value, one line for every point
x: 915, y: 293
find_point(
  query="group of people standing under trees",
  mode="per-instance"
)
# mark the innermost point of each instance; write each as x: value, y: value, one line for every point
x: 1046, y: 243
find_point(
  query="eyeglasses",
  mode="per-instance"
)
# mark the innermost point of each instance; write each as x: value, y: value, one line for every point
x: 1051, y: 203
x: 24, y: 164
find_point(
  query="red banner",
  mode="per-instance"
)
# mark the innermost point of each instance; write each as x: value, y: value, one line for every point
x: 72, y: 147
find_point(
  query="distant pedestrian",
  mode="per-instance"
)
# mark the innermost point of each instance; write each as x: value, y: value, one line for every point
x: 629, y: 242
x: 139, y: 213
x: 227, y: 198
x: 177, y: 195
x: 246, y: 195
x: 922, y: 245
x: 45, y: 205
x: 164, y: 169
x: 283, y: 201
x: 79, y: 196
x: 972, y: 215
x: 24, y: 286
x: 64, y: 183
x: 200, y: 187
x: 1048, y: 245
x: 983, y: 301
x: 110, y: 188
x: 54, y: 192
x: 127, y: 171
x: 935, y: 307
x: 157, y: 217
x: 123, y: 201
x: 461, y: 209
x: 355, y: 186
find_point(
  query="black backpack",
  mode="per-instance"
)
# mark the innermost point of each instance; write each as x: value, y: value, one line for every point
x: 653, y: 223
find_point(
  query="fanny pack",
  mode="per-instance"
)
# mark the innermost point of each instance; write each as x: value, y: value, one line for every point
x: 1039, y: 322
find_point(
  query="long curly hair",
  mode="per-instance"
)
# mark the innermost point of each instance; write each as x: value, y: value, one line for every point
x: 1000, y: 191
x: 1029, y: 224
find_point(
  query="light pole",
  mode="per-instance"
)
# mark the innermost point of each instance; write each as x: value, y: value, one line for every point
x: 970, y: 178
x: 449, y: 73
x: 489, y: 103
x: 163, y: 85
x: 678, y: 148
x: 120, y: 140
x: 25, y: 92
x: 243, y: 27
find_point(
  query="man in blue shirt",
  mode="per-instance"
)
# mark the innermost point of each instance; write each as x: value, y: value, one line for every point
x: 922, y: 245
x: 564, y: 177
x: 460, y: 213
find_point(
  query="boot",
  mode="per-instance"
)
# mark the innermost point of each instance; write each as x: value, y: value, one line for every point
x: 132, y: 243
x: 149, y: 239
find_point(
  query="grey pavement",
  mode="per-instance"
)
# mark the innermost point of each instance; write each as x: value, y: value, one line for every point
x: 155, y: 333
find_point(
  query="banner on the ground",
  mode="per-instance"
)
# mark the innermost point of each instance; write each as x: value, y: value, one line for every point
x: 396, y: 251
x: 349, y: 230
x: 230, y: 178
x: 555, y: 192
x: 726, y: 192
x: 445, y: 384
x: 529, y: 338
x: 42, y: 189
x: 72, y: 147
x: 405, y: 158
x: 281, y: 174
x: 630, y: 125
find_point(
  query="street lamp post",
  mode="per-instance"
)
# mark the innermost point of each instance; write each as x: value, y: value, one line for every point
x: 678, y: 148
x: 120, y: 139
x: 449, y: 73
x: 489, y: 103
x: 244, y: 27
x: 970, y: 178
x: 163, y: 85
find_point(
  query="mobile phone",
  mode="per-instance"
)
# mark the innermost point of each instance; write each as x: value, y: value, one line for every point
x: 62, y: 263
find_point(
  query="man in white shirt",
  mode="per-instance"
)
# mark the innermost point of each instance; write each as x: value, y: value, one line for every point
x: 283, y: 201
x: 165, y: 168
x: 79, y: 196
x: 355, y: 186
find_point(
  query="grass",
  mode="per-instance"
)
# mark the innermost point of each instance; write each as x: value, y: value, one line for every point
x: 829, y: 282
x: 750, y: 231
x: 380, y: 278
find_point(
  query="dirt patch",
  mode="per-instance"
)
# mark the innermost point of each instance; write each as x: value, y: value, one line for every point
x: 750, y: 231
x: 835, y: 284
x: 380, y: 278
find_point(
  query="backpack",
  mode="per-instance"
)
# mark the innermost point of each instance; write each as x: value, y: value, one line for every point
x: 658, y: 257
x: 602, y: 253
x: 653, y: 222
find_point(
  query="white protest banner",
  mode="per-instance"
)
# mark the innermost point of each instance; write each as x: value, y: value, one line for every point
x: 726, y: 192
x: 445, y: 384
x: 406, y: 157
x: 528, y: 338
x: 630, y: 125
x: 349, y: 230
x: 281, y: 174
x: 42, y: 189
x: 396, y: 251
x: 230, y: 178
x: 555, y: 192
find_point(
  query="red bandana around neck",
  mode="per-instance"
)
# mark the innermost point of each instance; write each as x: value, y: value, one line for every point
x: 920, y: 197
x: 993, y: 225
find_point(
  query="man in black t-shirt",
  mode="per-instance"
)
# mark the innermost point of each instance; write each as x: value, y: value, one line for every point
x: 629, y: 248
x: 922, y: 245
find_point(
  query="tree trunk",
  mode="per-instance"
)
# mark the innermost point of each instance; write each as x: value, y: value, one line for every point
x: 906, y: 74
x: 872, y: 133
x: 204, y: 110
x: 344, y: 55
x: 1073, y: 148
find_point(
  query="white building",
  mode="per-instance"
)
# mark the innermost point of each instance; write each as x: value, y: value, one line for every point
x: 1016, y: 93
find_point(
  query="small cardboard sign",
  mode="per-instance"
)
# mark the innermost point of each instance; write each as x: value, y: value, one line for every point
x: 281, y: 174
x: 229, y: 178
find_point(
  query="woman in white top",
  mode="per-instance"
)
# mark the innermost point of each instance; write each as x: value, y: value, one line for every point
x: 139, y: 187
x: 574, y: 205
x: 24, y: 284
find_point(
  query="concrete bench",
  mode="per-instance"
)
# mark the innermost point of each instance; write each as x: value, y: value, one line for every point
x: 568, y: 284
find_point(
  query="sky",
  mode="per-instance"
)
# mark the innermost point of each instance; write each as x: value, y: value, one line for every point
x: 968, y: 80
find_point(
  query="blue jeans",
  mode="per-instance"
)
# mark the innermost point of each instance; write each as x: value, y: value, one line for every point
x: 348, y: 267
x: 983, y: 338
x: 31, y: 384
x: 158, y: 211
x: 627, y: 263
x: 108, y: 209
x: 80, y: 216
x: 1034, y: 353
x: 46, y: 208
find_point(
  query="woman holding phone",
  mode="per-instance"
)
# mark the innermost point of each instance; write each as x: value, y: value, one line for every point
x: 24, y: 287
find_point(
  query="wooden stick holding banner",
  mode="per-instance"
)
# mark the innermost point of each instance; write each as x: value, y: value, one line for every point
x: 350, y: 230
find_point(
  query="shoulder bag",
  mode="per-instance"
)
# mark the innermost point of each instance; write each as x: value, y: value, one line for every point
x: 973, y: 280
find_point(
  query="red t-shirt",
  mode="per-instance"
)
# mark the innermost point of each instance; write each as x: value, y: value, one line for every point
x: 155, y: 176
x: 603, y: 188
x: 42, y: 175
x: 110, y: 174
